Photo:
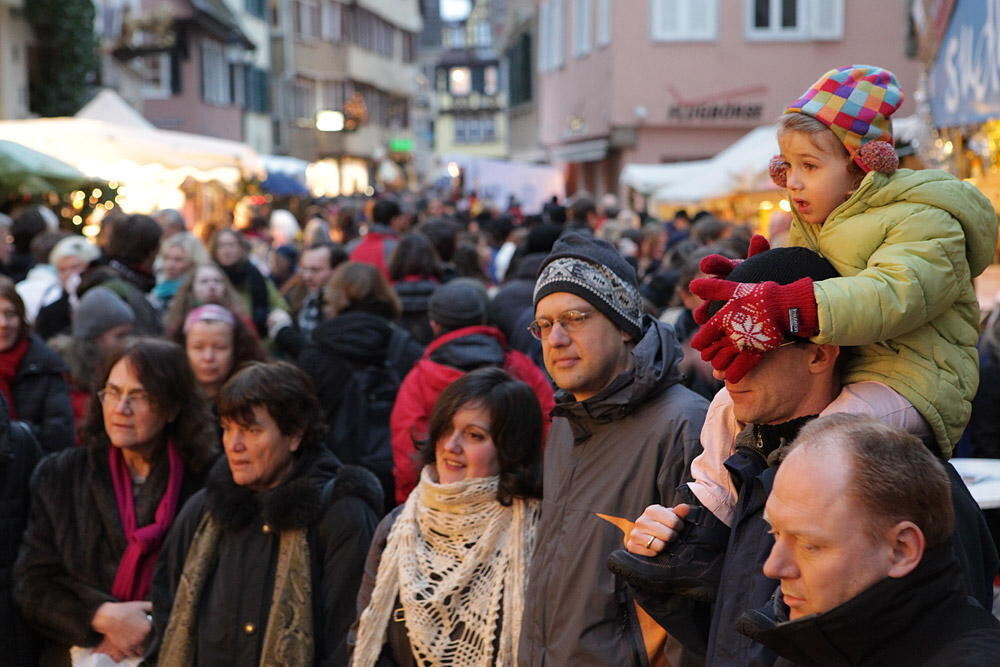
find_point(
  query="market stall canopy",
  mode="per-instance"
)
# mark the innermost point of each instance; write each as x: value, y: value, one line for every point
x: 26, y: 171
x: 90, y: 144
x: 734, y: 169
x: 647, y: 178
x: 110, y: 107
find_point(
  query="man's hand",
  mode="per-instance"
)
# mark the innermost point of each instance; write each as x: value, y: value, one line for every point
x: 125, y: 626
x: 663, y: 524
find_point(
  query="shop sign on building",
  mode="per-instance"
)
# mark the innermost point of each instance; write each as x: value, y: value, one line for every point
x: 964, y: 85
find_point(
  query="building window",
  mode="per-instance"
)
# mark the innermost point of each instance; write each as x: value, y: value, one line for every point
x: 769, y: 20
x: 482, y: 35
x: 307, y: 18
x: 459, y: 81
x: 215, y: 79
x: 155, y: 72
x: 684, y: 20
x: 520, y: 70
x: 256, y: 7
x: 475, y: 129
x: 372, y: 32
x: 491, y: 80
x: 331, y: 19
x: 550, y: 31
x: 238, y: 81
x: 409, y: 47
x: 582, y: 13
x: 258, y: 90
x: 604, y: 14
x: 303, y: 100
x: 454, y: 36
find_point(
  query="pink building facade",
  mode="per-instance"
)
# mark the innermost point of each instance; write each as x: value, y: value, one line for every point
x: 654, y: 81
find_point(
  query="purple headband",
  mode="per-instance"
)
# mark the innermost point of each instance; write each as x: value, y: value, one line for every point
x: 208, y: 313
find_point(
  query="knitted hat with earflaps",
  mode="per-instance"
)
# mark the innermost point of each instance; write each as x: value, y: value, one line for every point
x: 855, y: 102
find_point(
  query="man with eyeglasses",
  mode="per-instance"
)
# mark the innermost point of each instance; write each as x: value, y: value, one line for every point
x: 623, y: 435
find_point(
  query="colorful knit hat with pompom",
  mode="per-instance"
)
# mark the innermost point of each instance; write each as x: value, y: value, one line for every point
x: 855, y: 102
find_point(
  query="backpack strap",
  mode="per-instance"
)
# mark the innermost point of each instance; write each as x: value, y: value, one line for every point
x: 397, y: 343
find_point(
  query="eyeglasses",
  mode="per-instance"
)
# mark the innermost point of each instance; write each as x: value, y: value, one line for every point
x: 571, y: 321
x: 135, y: 400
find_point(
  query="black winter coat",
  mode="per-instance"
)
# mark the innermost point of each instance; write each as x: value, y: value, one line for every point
x: 74, y: 541
x: 41, y: 396
x: 19, y: 453
x: 921, y: 620
x: 236, y: 598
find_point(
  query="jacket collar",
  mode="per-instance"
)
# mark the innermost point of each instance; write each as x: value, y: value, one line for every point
x: 295, y: 503
x: 444, y: 339
x: 863, y: 626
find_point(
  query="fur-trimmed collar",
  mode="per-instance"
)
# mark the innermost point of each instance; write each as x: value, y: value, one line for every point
x: 297, y: 502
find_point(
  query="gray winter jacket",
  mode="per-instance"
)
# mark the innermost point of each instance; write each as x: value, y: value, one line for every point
x: 616, y: 453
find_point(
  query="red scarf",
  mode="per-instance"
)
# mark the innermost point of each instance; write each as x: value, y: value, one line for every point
x: 9, y: 361
x: 135, y: 569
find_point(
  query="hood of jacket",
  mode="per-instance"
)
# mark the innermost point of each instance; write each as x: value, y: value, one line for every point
x: 469, y: 348
x: 854, y: 631
x: 355, y: 335
x: 929, y: 187
x: 656, y: 367
x: 295, y: 503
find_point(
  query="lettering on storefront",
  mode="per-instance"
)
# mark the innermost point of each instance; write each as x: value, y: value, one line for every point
x: 965, y: 83
x: 717, y: 111
x: 730, y: 105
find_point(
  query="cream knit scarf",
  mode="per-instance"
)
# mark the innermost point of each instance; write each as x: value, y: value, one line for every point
x: 458, y: 560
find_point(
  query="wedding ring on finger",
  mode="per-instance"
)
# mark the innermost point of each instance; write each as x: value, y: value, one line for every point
x: 649, y: 544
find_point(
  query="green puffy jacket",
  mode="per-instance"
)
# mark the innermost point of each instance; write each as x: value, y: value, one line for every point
x: 907, y: 247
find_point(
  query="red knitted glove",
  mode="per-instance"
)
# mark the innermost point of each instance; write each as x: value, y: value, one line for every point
x: 719, y: 266
x: 756, y: 319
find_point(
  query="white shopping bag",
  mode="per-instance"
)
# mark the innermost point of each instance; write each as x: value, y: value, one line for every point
x: 86, y: 657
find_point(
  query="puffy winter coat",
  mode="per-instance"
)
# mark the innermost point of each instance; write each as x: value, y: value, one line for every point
x: 41, y: 396
x: 74, y: 542
x: 907, y: 247
x: 445, y: 360
x: 338, y: 506
x: 607, y: 459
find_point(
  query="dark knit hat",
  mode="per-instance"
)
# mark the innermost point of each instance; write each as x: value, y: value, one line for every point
x: 99, y: 310
x: 780, y: 265
x: 459, y: 303
x: 594, y: 271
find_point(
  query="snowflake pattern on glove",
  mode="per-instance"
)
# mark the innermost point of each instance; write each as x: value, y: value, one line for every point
x: 749, y: 325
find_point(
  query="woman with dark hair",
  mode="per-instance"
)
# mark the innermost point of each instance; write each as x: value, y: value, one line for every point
x: 357, y: 359
x: 231, y: 251
x: 263, y: 564
x: 31, y: 376
x: 445, y: 578
x: 217, y: 342
x: 416, y: 272
x: 99, y: 513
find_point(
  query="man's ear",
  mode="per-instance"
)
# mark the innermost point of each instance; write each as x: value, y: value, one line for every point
x: 907, y: 543
x: 823, y: 358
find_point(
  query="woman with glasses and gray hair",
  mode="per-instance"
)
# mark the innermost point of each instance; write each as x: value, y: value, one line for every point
x: 99, y: 513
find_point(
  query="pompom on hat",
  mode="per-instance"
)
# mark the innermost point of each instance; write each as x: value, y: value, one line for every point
x: 855, y: 102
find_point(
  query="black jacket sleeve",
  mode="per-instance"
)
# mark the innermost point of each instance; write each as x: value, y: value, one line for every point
x: 344, y: 534
x: 51, y: 600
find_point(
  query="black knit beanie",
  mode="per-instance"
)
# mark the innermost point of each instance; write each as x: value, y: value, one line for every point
x: 780, y: 265
x: 594, y: 271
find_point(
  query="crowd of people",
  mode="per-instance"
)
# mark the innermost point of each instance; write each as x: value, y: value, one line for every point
x: 426, y: 432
